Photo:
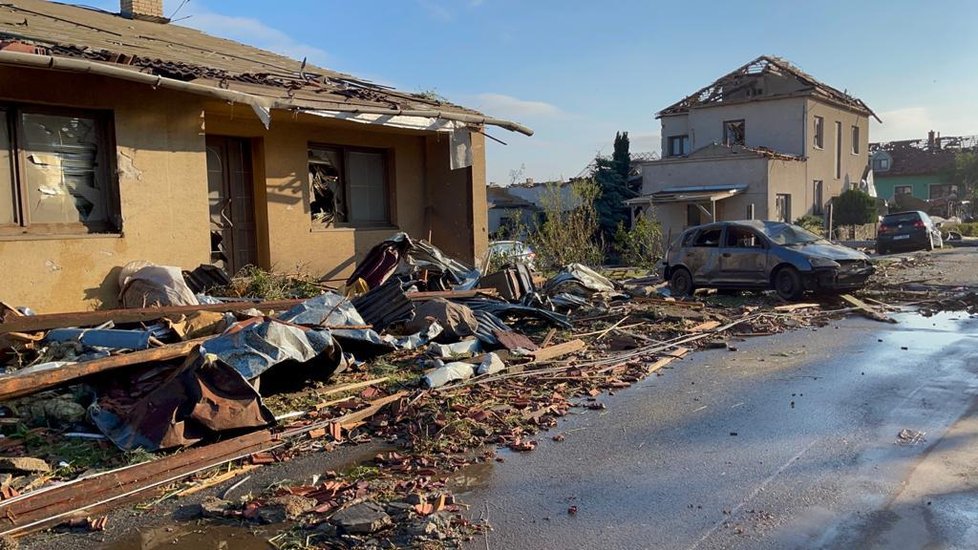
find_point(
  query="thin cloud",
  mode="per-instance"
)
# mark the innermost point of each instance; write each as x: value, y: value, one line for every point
x: 254, y: 32
x: 436, y: 10
x: 508, y: 106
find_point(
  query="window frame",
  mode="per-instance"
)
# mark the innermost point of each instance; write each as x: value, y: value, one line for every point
x: 897, y: 190
x: 881, y: 168
x: 854, y: 135
x: 838, y: 149
x: 726, y: 128
x: 683, y: 140
x: 105, y: 164
x: 344, y: 150
x: 819, y: 132
x: 786, y: 197
x: 818, y: 197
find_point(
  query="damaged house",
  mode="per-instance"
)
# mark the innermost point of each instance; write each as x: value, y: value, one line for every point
x: 126, y: 137
x: 766, y: 141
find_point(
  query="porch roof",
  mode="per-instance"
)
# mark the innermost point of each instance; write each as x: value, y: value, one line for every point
x: 695, y: 193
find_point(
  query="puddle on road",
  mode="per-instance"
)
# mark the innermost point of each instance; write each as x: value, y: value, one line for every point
x: 472, y: 477
x: 215, y: 535
x: 199, y: 537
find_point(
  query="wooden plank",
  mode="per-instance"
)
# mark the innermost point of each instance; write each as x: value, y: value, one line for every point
x: 548, y: 338
x: 866, y: 309
x: 48, y: 507
x: 552, y: 352
x: 33, y: 323
x: 705, y: 327
x: 447, y: 294
x: 679, y: 353
x: 27, y: 382
x: 788, y: 308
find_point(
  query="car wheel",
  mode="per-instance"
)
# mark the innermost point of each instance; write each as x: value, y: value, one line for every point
x: 787, y: 283
x: 681, y: 282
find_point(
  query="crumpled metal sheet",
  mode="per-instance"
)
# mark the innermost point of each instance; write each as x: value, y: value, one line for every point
x: 101, y: 338
x: 406, y: 256
x: 178, y: 407
x: 500, y: 309
x: 579, y: 280
x: 252, y: 347
x: 332, y: 310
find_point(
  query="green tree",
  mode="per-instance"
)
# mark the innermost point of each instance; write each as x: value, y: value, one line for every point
x: 611, y: 177
x: 854, y: 207
x: 964, y: 173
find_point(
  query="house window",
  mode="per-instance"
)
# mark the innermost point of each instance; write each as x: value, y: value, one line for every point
x: 54, y: 172
x: 855, y: 140
x: 819, y: 133
x: 838, y: 150
x: 881, y: 164
x: 782, y: 207
x: 734, y: 132
x: 678, y: 145
x: 817, y: 197
x: 903, y: 190
x: 349, y: 186
x: 942, y: 190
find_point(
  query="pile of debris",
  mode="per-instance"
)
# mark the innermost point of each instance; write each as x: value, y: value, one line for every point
x: 417, y: 350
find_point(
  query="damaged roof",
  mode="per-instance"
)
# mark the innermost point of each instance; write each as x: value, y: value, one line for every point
x: 918, y: 157
x: 187, y: 55
x: 741, y: 85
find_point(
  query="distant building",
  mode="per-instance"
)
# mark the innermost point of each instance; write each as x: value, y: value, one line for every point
x: 524, y: 201
x: 766, y: 141
x: 918, y: 167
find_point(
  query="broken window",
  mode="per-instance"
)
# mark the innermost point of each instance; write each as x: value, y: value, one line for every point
x: 881, y: 164
x: 855, y: 140
x: 62, y: 183
x: 678, y: 145
x: 942, y: 190
x: 7, y: 196
x: 819, y: 133
x: 817, y: 197
x: 838, y: 150
x: 782, y: 206
x: 349, y: 186
x: 734, y: 132
x: 741, y: 237
x: 902, y: 190
x: 708, y: 238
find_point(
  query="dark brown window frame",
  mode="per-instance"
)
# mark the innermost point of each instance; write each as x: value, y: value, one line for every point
x: 389, y: 166
x: 22, y: 227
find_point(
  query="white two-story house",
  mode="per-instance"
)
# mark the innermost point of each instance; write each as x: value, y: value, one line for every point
x: 766, y: 141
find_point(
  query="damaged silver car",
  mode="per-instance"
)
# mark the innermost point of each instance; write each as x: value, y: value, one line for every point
x: 754, y: 254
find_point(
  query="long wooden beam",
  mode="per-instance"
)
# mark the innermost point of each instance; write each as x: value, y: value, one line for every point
x: 47, y: 321
x: 27, y: 382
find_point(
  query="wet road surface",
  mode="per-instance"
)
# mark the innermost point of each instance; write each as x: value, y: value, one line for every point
x: 790, y: 442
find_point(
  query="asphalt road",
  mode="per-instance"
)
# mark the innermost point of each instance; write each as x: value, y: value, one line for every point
x: 790, y: 442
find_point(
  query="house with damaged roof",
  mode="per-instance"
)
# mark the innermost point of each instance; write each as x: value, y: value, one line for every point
x: 765, y: 141
x: 125, y: 137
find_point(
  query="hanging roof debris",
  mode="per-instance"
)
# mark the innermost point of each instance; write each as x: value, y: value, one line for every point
x: 174, y: 54
x: 739, y: 86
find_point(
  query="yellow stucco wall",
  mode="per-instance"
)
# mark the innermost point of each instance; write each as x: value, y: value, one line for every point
x: 159, y: 144
x: 161, y: 163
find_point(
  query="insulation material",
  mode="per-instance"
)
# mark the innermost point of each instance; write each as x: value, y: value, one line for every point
x: 154, y: 285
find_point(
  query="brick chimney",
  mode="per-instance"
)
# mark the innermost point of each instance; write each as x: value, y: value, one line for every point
x: 930, y: 139
x: 145, y: 10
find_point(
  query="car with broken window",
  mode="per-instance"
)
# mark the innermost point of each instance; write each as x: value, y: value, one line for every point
x: 913, y: 230
x: 758, y: 255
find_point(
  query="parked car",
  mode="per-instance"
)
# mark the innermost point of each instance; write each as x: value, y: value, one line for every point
x: 913, y: 230
x: 511, y: 251
x: 753, y: 254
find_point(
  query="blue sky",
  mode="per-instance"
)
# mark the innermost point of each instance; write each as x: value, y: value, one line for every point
x: 578, y: 71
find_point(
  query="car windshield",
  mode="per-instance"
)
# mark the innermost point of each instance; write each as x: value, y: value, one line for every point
x: 787, y: 234
x: 897, y: 219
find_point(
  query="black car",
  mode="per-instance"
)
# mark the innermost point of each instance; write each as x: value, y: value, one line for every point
x: 753, y: 254
x: 913, y: 230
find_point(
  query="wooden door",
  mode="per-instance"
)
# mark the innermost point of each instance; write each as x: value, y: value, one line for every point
x: 231, y: 196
